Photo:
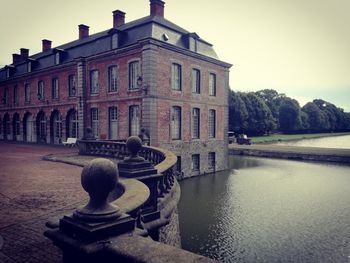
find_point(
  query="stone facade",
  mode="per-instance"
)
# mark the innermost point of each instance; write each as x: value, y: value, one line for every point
x: 143, y: 52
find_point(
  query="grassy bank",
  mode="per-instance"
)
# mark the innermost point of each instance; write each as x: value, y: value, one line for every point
x: 292, y: 137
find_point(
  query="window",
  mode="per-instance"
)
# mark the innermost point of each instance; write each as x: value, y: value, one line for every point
x: 113, y: 123
x: 177, y: 167
x: 212, y: 123
x: 26, y: 92
x: 196, y: 81
x: 73, y: 122
x: 133, y: 74
x: 176, y: 77
x: 195, y: 162
x: 134, y: 120
x: 212, y: 84
x: 15, y: 94
x: 6, y: 96
x: 94, y: 122
x: 54, y: 90
x: 72, y: 90
x: 112, y: 78
x: 115, y: 41
x: 195, y: 123
x: 94, y: 82
x: 176, y: 123
x: 29, y: 66
x: 211, y: 161
x: 57, y: 125
x: 41, y: 95
x: 57, y: 58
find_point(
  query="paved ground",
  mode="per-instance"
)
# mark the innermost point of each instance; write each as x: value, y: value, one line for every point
x: 32, y: 191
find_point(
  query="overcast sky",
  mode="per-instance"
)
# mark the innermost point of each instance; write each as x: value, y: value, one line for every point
x: 298, y: 47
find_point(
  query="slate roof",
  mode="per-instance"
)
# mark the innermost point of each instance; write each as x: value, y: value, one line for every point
x: 130, y: 33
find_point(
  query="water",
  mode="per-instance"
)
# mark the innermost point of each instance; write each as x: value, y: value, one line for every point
x: 267, y: 210
x: 342, y: 142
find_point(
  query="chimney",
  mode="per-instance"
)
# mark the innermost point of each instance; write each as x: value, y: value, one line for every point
x: 16, y: 58
x: 24, y: 53
x: 83, y: 31
x: 157, y: 8
x: 118, y: 18
x: 46, y: 45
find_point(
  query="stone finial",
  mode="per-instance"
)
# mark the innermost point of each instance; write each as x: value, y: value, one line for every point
x: 134, y: 145
x: 98, y: 178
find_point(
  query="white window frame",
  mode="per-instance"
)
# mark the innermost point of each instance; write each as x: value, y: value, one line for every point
x: 212, y: 84
x: 176, y: 123
x: 54, y: 89
x: 196, y: 123
x: 94, y: 81
x: 95, y: 122
x: 72, y: 85
x: 196, y: 81
x: 176, y: 76
x: 212, y: 123
x: 134, y: 120
x: 134, y: 73
x: 112, y: 82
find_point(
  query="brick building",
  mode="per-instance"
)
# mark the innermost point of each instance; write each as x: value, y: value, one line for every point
x: 148, y: 73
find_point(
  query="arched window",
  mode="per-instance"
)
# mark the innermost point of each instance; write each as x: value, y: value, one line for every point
x: 73, y: 124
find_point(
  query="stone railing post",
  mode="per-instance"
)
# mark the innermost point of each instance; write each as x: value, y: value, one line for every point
x: 79, y: 235
x: 137, y: 167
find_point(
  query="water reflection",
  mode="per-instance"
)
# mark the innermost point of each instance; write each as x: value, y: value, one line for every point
x: 268, y: 211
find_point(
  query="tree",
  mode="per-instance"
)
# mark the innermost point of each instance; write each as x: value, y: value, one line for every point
x: 238, y: 114
x: 289, y: 115
x: 260, y: 119
x: 317, y: 119
x: 272, y: 99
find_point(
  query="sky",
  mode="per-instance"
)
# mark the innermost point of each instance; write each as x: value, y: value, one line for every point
x: 297, y: 47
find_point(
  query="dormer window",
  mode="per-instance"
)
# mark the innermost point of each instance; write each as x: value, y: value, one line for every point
x: 9, y: 71
x: 57, y: 58
x: 29, y: 66
x: 115, y: 40
x: 31, y: 63
x: 58, y: 55
x: 191, y: 40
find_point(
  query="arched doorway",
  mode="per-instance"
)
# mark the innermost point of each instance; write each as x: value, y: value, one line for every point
x: 72, y: 124
x: 41, y: 127
x: 6, y: 126
x: 28, y: 133
x: 15, y: 127
x: 56, y: 127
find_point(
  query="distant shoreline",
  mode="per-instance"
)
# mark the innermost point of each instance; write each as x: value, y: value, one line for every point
x: 292, y: 152
x: 293, y: 137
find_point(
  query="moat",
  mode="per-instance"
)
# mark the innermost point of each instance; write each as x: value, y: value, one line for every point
x: 267, y: 210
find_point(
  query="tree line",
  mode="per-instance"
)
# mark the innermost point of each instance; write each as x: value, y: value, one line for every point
x: 266, y: 111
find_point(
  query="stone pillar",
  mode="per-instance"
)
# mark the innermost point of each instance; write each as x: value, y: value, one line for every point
x: 81, y: 93
x: 149, y: 103
x: 79, y: 235
x: 226, y: 117
x: 136, y: 167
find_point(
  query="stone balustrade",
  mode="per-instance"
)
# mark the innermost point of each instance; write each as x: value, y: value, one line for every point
x: 129, y: 202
